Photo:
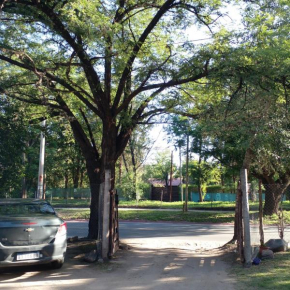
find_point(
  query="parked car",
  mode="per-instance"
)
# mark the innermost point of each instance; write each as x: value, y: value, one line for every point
x: 31, y: 233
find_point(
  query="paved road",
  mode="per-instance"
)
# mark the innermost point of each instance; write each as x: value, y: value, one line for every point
x: 211, y: 234
x: 189, y: 232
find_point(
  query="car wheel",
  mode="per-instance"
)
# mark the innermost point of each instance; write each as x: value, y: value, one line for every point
x: 57, y: 264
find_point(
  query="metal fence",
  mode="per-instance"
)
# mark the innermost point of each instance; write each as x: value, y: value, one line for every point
x: 69, y: 196
x: 194, y: 196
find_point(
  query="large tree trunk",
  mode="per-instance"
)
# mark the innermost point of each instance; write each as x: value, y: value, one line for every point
x: 76, y: 175
x: 96, y: 173
x: 273, y: 196
x: 131, y: 145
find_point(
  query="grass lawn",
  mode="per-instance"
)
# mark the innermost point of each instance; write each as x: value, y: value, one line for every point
x: 153, y: 215
x: 156, y: 215
x: 269, y: 274
x: 220, y: 205
x: 145, y: 204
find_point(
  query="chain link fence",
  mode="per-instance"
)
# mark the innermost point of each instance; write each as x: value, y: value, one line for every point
x: 270, y: 219
x: 79, y: 197
x: 74, y: 196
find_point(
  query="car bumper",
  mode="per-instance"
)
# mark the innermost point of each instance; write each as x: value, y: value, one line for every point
x: 47, y: 253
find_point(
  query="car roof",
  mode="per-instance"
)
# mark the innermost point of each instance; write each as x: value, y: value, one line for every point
x: 21, y: 200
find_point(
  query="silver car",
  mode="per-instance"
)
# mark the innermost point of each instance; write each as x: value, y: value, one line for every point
x: 31, y: 233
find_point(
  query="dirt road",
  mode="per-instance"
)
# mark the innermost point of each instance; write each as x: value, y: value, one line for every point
x: 154, y: 266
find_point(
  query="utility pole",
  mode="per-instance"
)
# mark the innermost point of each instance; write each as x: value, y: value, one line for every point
x: 24, y: 191
x: 104, y: 221
x: 180, y: 164
x: 39, y: 194
x: 186, y: 189
x: 171, y: 172
x: 261, y: 230
x: 246, y: 219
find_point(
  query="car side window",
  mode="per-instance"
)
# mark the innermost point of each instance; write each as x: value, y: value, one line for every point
x: 46, y: 208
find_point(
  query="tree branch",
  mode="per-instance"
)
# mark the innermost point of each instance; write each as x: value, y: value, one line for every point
x: 163, y: 9
x: 53, y: 78
x: 90, y: 133
x: 58, y: 26
x: 165, y: 85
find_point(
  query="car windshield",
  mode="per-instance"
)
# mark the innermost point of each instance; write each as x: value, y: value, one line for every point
x: 26, y: 209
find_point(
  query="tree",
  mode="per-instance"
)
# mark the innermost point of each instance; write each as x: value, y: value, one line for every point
x: 203, y: 174
x: 133, y: 158
x: 270, y: 33
x: 64, y: 164
x: 161, y: 168
x: 104, y: 65
x: 18, y: 147
x: 179, y: 130
x: 11, y: 149
x: 249, y: 118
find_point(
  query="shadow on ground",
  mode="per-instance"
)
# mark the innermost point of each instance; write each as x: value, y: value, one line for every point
x: 132, y: 268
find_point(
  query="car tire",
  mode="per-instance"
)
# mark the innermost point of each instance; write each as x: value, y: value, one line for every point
x: 57, y: 264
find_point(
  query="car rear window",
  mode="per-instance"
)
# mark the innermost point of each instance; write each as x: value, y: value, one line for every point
x: 26, y: 209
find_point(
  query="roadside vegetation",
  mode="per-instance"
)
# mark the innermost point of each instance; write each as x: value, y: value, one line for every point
x: 146, y: 204
x: 156, y: 215
x: 269, y: 274
x: 173, y: 215
x: 215, y: 205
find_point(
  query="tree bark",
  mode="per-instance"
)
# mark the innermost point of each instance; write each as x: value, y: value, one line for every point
x: 273, y: 197
x: 133, y: 159
x: 66, y: 180
x: 94, y: 174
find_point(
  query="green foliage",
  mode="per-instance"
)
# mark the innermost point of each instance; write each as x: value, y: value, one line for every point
x: 19, y: 154
x: 16, y: 138
x: 64, y: 164
x: 130, y: 166
x: 206, y: 173
x: 161, y: 167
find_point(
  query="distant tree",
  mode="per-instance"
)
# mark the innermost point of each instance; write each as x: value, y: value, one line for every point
x: 160, y: 169
x: 65, y: 165
x: 132, y: 161
x: 203, y: 174
x: 17, y: 137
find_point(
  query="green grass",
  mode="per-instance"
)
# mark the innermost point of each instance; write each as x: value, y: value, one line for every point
x: 72, y: 214
x: 153, y: 215
x: 270, y: 220
x: 270, y: 274
x: 197, y: 217
x: 164, y: 205
x: 70, y: 202
x: 176, y: 204
x: 156, y: 215
x: 146, y: 204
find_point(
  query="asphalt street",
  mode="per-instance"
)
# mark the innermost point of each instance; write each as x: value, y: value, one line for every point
x: 217, y: 233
